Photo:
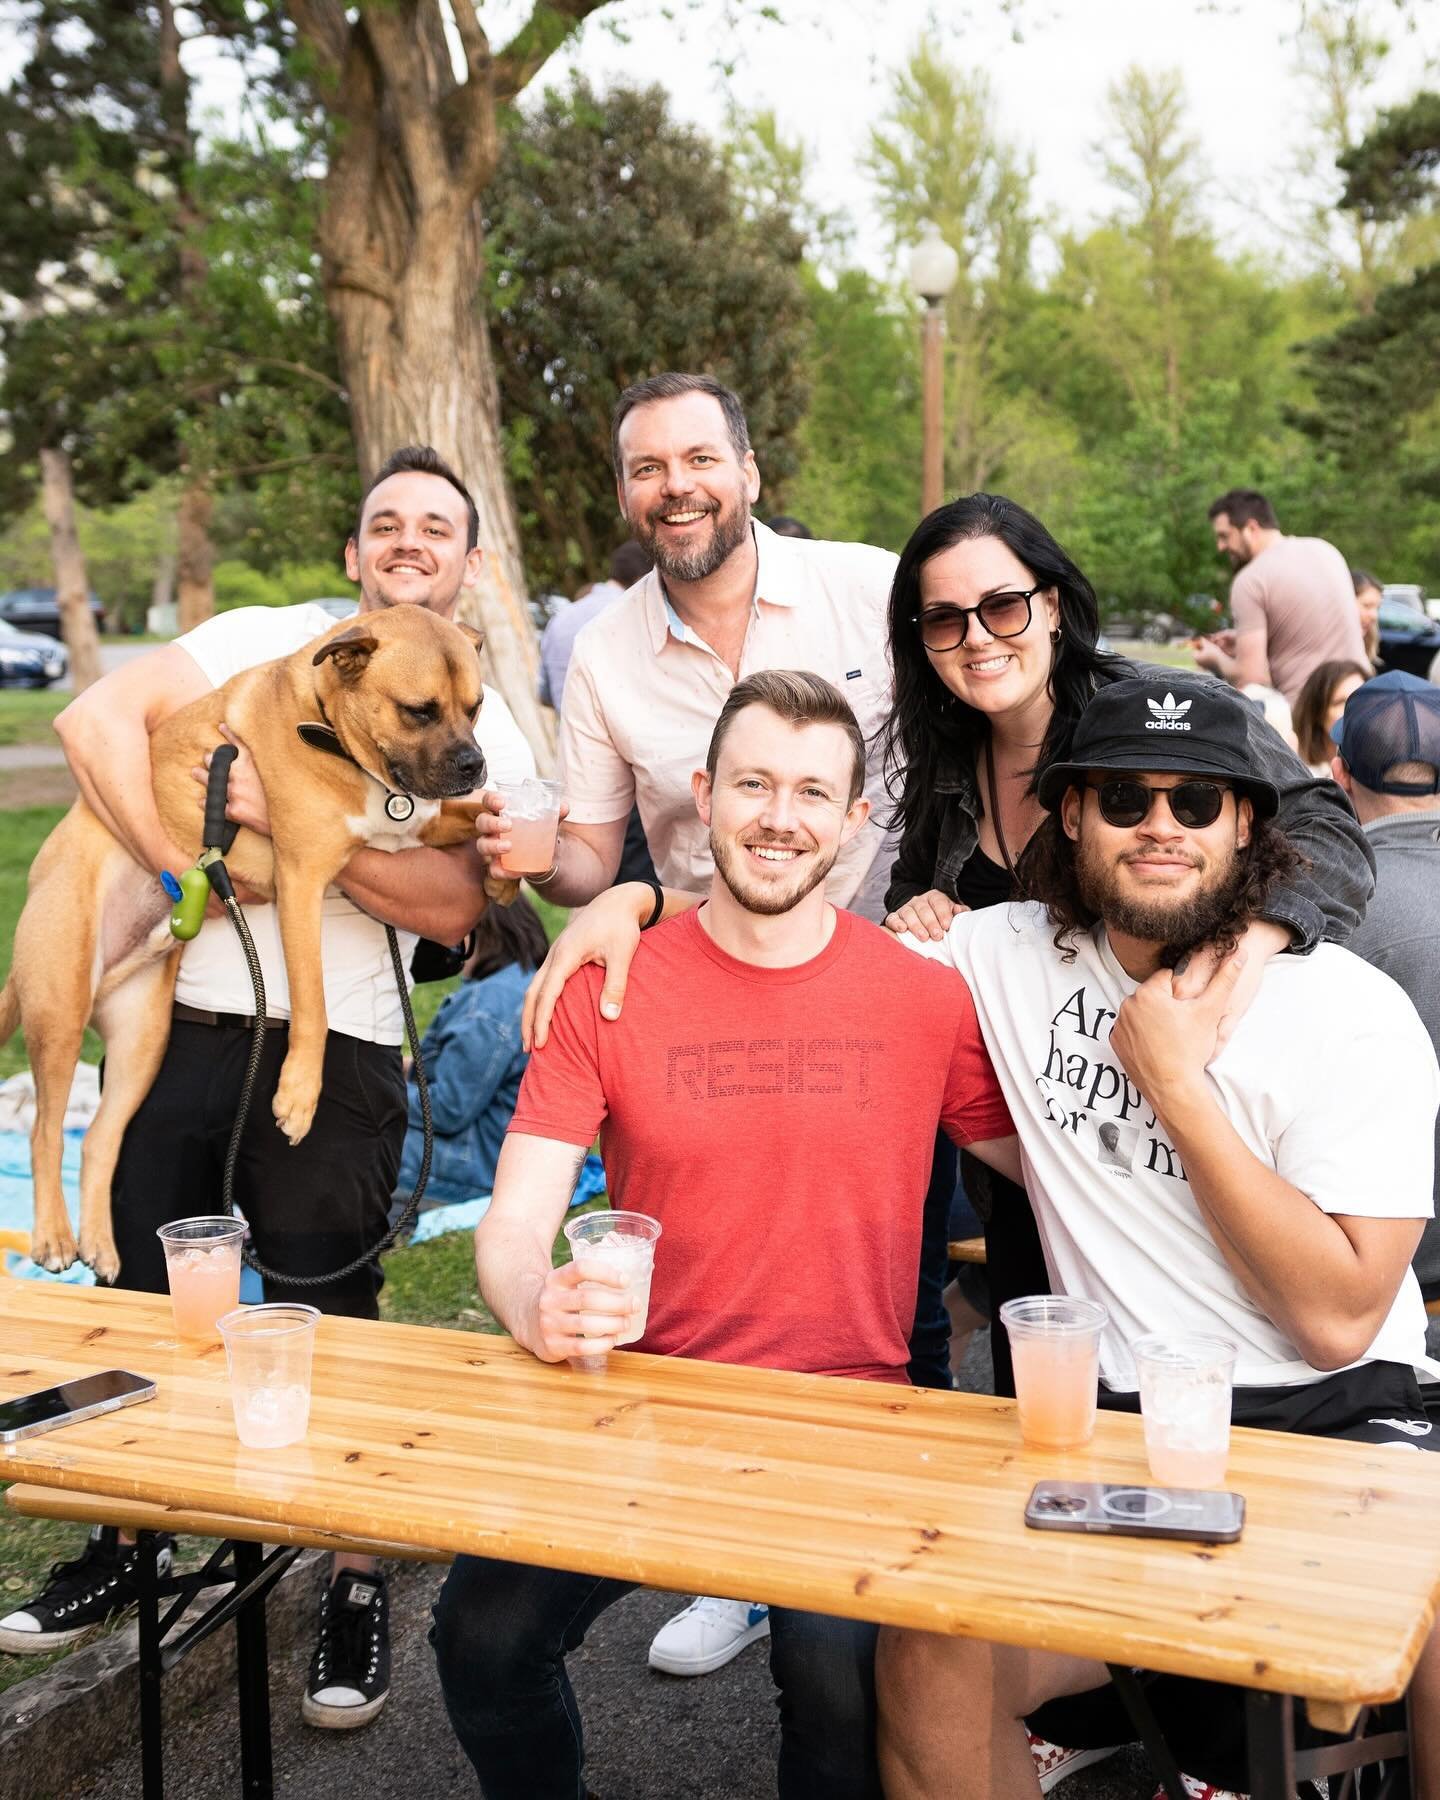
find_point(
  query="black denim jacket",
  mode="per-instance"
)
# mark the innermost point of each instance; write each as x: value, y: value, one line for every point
x: 1325, y: 903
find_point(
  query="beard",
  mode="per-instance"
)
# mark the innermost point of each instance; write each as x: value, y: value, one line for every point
x: 693, y: 562
x: 1177, y: 923
x: 774, y: 898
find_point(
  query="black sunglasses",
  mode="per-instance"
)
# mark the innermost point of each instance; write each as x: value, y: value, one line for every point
x: 1001, y: 616
x: 1193, y: 804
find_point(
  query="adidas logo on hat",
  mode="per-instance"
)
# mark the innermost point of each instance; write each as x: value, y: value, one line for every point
x: 1169, y: 714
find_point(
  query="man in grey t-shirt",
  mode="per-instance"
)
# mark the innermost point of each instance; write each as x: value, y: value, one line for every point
x: 1292, y: 601
x: 1389, y: 765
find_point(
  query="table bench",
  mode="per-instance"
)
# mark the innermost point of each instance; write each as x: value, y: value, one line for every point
x: 853, y: 1498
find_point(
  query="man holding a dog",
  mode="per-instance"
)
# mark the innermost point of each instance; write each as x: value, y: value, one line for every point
x: 318, y: 1205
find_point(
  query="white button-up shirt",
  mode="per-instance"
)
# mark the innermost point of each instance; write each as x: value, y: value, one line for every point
x: 644, y: 692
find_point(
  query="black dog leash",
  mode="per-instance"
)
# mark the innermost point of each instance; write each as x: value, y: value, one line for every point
x: 219, y: 835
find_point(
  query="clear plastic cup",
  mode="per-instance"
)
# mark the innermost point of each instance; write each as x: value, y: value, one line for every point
x: 269, y: 1350
x: 533, y: 809
x: 618, y: 1242
x: 1185, y: 1387
x: 1055, y: 1348
x: 202, y: 1264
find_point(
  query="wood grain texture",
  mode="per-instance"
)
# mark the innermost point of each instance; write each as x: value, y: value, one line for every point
x: 847, y: 1497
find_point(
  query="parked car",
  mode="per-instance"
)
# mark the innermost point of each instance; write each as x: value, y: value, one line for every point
x: 1405, y: 593
x: 1409, y: 640
x: 339, y: 606
x: 38, y: 609
x: 29, y: 658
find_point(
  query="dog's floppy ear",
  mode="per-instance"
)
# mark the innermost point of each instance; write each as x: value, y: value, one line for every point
x: 477, y: 638
x: 351, y: 651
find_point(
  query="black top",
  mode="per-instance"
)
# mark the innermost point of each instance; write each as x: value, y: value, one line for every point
x: 982, y: 882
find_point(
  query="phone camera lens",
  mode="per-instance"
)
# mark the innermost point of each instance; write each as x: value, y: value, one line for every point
x: 1064, y: 1504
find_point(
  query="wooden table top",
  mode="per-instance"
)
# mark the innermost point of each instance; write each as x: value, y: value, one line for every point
x: 845, y: 1497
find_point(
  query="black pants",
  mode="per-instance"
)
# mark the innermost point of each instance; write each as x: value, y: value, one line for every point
x: 930, y: 1333
x: 311, y: 1208
x: 502, y: 1633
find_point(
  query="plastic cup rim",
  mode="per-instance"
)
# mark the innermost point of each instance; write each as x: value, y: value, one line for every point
x: 236, y: 1317
x: 574, y: 1225
x: 1097, y: 1316
x: 1211, y: 1349
x: 233, y: 1227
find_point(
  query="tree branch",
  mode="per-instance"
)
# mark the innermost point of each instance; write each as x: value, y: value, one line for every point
x: 284, y: 462
x: 537, y: 40
x: 480, y: 141
x: 324, y: 29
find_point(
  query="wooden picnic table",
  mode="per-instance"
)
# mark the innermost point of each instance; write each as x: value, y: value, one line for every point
x: 902, y: 1506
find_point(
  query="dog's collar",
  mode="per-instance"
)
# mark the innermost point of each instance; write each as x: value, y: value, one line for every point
x: 398, y: 807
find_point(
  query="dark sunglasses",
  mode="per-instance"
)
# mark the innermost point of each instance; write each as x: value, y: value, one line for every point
x: 1193, y: 804
x: 1001, y: 616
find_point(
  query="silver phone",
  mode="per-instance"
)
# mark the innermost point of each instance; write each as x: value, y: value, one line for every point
x: 27, y: 1415
x: 1202, y: 1514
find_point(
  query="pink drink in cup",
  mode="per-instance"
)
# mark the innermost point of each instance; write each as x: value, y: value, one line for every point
x: 533, y: 810
x: 1055, y: 1348
x: 202, y: 1264
x: 621, y: 1243
x: 1185, y: 1388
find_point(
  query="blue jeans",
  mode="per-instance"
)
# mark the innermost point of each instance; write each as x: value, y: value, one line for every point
x: 502, y: 1632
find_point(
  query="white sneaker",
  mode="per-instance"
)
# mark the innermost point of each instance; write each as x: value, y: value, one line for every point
x: 1053, y: 1762
x: 1200, y: 1790
x: 707, y: 1635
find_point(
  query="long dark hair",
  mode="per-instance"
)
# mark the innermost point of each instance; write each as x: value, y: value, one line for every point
x: 1047, y: 871
x: 929, y: 729
x: 1313, y: 702
x: 505, y: 935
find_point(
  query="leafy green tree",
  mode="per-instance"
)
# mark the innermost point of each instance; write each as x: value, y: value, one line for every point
x: 617, y: 248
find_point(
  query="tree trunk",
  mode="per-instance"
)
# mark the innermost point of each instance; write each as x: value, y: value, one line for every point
x: 194, y: 555
x: 77, y: 623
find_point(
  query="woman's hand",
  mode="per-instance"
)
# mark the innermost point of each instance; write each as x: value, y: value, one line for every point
x: 1260, y: 940
x: 606, y: 932
x: 926, y: 917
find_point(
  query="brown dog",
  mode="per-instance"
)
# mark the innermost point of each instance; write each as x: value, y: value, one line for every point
x: 401, y: 689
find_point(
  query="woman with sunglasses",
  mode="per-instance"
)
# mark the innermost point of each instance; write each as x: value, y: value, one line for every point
x: 994, y: 641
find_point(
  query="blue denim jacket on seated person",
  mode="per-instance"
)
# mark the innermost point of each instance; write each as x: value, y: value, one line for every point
x: 1323, y: 904
x: 473, y: 1062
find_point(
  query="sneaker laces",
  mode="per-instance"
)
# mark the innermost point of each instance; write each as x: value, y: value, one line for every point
x: 347, y: 1635
x: 82, y: 1575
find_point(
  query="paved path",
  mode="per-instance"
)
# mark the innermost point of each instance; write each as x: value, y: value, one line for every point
x: 648, y: 1737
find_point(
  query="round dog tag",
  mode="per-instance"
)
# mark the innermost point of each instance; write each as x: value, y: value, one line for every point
x: 399, y: 807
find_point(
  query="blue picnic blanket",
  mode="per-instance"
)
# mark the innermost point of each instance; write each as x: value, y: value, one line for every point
x: 465, y: 1215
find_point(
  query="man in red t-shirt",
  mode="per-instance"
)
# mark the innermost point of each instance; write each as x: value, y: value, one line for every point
x: 771, y: 1095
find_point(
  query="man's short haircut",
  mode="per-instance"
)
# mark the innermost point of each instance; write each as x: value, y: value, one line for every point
x: 629, y: 563
x: 421, y: 459
x: 671, y: 386
x: 799, y: 698
x: 1244, y: 506
x: 1362, y: 579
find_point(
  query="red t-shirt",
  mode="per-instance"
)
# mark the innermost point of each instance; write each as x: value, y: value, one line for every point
x: 780, y: 1124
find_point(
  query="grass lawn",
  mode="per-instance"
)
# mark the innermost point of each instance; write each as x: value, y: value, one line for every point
x: 1173, y: 656
x: 26, y: 715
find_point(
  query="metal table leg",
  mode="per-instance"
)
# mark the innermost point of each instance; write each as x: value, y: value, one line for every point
x: 152, y: 1728
x: 252, y: 1672
x: 1270, y: 1738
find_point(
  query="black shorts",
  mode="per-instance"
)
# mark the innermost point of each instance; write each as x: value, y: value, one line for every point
x: 1204, y: 1721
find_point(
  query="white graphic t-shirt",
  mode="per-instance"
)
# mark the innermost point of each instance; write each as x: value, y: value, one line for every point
x: 360, y: 996
x: 1330, y: 1079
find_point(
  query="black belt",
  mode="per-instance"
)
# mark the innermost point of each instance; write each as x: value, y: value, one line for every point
x: 196, y: 1015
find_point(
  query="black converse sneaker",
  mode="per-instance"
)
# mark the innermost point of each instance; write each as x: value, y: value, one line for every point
x: 349, y: 1678
x: 97, y: 1586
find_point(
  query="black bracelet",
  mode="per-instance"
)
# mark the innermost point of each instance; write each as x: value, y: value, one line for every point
x: 659, y: 907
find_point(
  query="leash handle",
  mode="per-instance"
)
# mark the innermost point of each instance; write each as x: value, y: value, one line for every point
x: 216, y: 791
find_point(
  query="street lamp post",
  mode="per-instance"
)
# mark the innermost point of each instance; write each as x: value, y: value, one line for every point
x: 933, y: 269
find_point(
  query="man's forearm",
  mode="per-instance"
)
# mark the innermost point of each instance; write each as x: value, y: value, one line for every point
x: 438, y: 894
x: 1295, y: 1262
x: 510, y: 1266
x: 581, y: 872
x: 111, y: 766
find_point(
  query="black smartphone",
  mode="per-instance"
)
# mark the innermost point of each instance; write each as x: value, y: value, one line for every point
x: 29, y: 1414
x: 1202, y: 1514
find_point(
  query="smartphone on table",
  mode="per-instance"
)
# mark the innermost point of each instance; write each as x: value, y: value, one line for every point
x: 27, y: 1415
x: 1204, y: 1515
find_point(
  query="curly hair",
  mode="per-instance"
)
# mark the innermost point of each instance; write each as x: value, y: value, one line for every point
x: 1047, y: 871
